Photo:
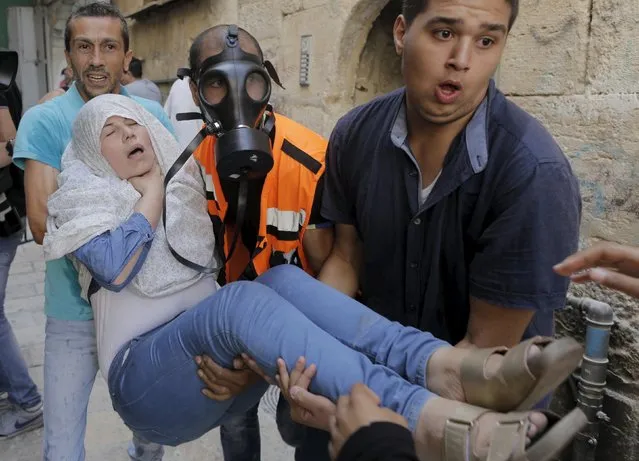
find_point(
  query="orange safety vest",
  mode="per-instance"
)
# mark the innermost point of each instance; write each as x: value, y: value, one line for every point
x: 286, y: 201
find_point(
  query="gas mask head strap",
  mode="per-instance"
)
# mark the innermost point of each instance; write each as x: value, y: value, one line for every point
x: 232, y: 41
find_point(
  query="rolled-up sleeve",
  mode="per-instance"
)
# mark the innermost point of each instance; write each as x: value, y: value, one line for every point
x: 534, y: 225
x: 336, y: 206
x: 108, y: 254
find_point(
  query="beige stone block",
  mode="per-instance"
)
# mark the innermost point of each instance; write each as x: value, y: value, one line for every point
x: 321, y: 26
x: 263, y: 19
x: 546, y: 50
x: 163, y: 39
x: 308, y: 4
x: 599, y: 135
x: 290, y: 6
x: 613, y: 65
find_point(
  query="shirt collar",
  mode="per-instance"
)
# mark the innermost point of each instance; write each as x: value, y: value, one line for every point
x: 76, y: 99
x: 476, y: 131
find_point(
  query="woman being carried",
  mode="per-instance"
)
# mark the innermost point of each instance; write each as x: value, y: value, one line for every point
x: 154, y: 315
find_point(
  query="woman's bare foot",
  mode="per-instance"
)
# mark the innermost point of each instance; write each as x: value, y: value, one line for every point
x: 443, y: 372
x: 430, y: 432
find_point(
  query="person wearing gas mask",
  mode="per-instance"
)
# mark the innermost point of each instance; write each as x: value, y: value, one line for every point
x: 264, y: 180
x: 20, y: 401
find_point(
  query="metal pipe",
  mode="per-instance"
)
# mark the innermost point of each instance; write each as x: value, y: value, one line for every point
x: 592, y: 379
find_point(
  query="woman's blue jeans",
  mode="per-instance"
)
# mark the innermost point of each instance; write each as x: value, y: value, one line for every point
x: 285, y: 313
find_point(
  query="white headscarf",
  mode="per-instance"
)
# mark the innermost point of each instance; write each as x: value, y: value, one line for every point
x: 91, y: 200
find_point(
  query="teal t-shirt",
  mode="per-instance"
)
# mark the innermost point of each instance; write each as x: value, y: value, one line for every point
x: 43, y: 135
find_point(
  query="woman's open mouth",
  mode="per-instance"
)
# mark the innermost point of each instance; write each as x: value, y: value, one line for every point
x: 137, y: 151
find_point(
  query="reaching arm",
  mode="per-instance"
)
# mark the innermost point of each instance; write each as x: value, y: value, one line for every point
x: 609, y: 264
x: 341, y: 269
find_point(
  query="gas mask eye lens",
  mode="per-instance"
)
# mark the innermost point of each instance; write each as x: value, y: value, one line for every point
x: 214, y: 88
x: 256, y: 86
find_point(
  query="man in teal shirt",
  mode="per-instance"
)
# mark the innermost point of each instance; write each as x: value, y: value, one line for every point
x: 97, y: 49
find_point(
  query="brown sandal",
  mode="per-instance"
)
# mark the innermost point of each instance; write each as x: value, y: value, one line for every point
x: 508, y: 442
x: 516, y: 386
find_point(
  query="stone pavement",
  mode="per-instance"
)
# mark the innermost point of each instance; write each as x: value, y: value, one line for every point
x: 107, y: 437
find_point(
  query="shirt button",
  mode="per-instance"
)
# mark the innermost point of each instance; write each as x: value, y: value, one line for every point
x: 417, y: 221
x: 412, y: 308
x: 413, y: 265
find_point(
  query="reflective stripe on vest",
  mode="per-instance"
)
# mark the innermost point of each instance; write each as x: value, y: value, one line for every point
x: 210, y: 187
x: 285, y: 225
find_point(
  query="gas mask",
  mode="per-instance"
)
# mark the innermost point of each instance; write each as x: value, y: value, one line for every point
x: 234, y: 88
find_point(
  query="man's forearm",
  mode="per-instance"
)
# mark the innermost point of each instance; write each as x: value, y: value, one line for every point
x: 490, y: 325
x: 40, y: 182
x: 340, y: 274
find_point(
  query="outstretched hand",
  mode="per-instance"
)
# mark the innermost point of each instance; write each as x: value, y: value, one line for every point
x: 608, y: 264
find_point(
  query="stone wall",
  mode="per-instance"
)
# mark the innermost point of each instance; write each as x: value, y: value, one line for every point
x: 574, y: 64
x: 162, y: 38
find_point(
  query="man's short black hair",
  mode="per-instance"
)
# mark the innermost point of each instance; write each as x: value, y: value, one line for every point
x: 217, y: 33
x: 412, y: 8
x: 96, y: 10
x: 135, y: 68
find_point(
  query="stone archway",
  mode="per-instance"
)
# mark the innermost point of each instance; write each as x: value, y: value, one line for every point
x: 379, y: 70
x: 364, y: 26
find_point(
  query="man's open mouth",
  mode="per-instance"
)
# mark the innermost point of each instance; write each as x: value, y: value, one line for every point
x: 450, y: 87
x: 97, y: 78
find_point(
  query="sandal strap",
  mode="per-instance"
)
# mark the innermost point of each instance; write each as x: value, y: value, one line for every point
x: 509, y: 386
x: 457, y: 432
x: 515, y: 361
x: 508, y: 436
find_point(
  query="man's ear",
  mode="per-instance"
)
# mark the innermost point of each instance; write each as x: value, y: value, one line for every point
x: 399, y: 33
x: 194, y: 92
x: 67, y: 56
x: 127, y: 60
